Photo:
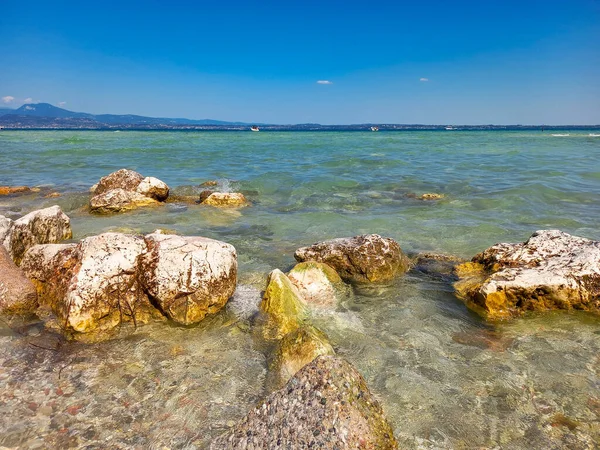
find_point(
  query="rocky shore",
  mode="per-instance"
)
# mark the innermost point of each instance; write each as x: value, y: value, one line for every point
x: 88, y: 290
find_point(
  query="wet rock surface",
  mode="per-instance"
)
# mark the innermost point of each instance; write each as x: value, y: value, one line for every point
x: 17, y: 292
x: 297, y: 349
x: 318, y: 283
x: 188, y: 277
x: 368, y: 258
x: 282, y: 304
x: 326, y: 405
x: 551, y: 270
x: 125, y: 190
x: 224, y: 199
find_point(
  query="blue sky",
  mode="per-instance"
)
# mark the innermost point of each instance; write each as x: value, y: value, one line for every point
x: 476, y: 62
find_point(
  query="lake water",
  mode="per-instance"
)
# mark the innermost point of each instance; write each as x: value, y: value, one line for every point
x: 446, y: 378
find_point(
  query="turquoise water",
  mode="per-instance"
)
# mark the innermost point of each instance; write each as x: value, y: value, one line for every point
x: 445, y: 378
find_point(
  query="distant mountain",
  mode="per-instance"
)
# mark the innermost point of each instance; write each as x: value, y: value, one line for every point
x: 45, y: 114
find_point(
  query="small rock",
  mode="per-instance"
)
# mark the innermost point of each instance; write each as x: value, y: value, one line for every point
x: 431, y: 196
x: 8, y: 190
x: 234, y: 199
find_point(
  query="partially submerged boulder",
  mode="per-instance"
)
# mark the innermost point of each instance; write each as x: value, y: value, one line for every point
x: 317, y: 283
x: 326, y: 405
x: 283, y: 305
x: 551, y: 270
x: 125, y: 179
x: 119, y: 200
x: 93, y: 285
x: 367, y: 258
x: 44, y: 226
x: 233, y: 199
x: 17, y: 292
x: 124, y: 190
x: 188, y: 277
x: 297, y: 349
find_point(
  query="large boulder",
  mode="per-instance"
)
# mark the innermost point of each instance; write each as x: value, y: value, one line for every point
x: 188, y: 277
x: 326, y: 405
x: 119, y: 200
x: 17, y: 293
x: 44, y: 226
x: 284, y: 307
x: 551, y: 270
x: 317, y: 283
x: 92, y: 286
x: 297, y: 349
x: 124, y: 190
x: 368, y: 258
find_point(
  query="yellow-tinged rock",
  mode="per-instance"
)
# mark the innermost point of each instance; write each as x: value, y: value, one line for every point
x: 297, y: 349
x: 223, y: 199
x: 283, y: 305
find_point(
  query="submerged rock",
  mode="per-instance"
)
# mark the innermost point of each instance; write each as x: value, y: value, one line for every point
x: 44, y: 226
x: 367, y: 258
x: 283, y: 305
x: 431, y: 196
x: 326, y: 405
x: 17, y: 292
x: 124, y: 190
x: 551, y: 270
x: 8, y: 190
x: 436, y: 265
x: 235, y: 199
x: 297, y: 349
x: 317, y: 283
x: 188, y: 277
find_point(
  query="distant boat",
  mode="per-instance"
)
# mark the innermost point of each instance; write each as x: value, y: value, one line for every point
x: 561, y: 135
x: 254, y: 128
x: 450, y: 128
x: 374, y: 128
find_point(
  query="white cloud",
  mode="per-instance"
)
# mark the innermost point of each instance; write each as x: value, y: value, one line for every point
x: 8, y: 99
x: 423, y: 79
x: 324, y: 82
x: 61, y: 104
x: 28, y: 100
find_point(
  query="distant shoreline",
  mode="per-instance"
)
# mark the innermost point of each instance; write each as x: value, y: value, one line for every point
x: 313, y: 128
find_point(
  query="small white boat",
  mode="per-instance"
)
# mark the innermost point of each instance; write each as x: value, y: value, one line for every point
x: 450, y: 128
x: 254, y: 128
x: 374, y: 128
x: 561, y: 134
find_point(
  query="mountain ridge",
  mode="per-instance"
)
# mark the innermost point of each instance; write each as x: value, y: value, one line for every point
x: 48, y: 111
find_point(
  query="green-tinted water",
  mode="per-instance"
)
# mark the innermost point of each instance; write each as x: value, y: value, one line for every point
x: 445, y: 378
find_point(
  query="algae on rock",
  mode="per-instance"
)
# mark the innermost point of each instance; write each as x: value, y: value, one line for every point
x: 283, y: 305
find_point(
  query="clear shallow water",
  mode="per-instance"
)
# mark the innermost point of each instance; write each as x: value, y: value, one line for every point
x: 446, y: 379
